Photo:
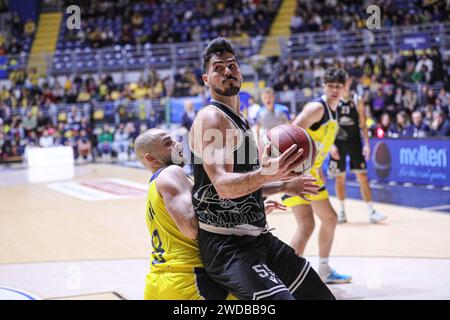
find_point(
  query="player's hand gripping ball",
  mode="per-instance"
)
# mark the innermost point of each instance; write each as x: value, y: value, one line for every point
x: 283, y: 136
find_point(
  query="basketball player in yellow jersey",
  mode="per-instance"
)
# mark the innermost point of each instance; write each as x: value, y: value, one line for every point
x: 176, y: 271
x: 319, y: 118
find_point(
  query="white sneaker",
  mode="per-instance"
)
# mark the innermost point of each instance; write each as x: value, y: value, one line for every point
x: 342, y: 218
x: 376, y: 217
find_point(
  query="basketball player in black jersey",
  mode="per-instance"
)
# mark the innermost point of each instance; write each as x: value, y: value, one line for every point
x: 235, y: 244
x: 351, y: 120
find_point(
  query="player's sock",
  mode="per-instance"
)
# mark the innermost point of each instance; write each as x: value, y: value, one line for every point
x: 323, y: 266
x: 342, y: 205
x: 342, y: 218
x: 370, y: 206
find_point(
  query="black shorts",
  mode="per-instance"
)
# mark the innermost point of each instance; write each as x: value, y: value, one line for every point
x: 261, y: 267
x: 357, y: 161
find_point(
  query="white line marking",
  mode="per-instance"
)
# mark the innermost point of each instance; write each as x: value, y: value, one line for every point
x: 447, y: 206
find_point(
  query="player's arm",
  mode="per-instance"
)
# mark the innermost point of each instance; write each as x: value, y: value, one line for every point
x: 211, y: 141
x: 296, y: 187
x: 363, y: 126
x: 176, y: 190
x: 312, y: 112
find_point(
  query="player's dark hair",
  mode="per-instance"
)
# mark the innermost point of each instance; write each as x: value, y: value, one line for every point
x: 336, y: 75
x: 216, y: 47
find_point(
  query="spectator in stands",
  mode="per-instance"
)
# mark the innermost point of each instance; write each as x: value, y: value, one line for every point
x: 425, y: 61
x: 29, y: 28
x: 84, y: 95
x: 60, y: 139
x: 32, y: 139
x: 127, y: 36
x: 2, y: 48
x: 383, y: 126
x: 46, y: 140
x: 421, y: 75
x: 378, y: 103
x: 398, y: 98
x: 84, y: 147
x: 252, y: 110
x: 270, y: 115
x: 137, y: 20
x: 296, y: 22
x: 440, y: 126
x: 443, y: 98
x: 15, y: 47
x: 188, y: 115
x: 398, y: 129
x: 418, y: 129
x: 43, y: 120
x: 183, y: 82
x: 3, y: 6
x: 29, y: 122
x: 74, y: 117
x: 16, y: 25
x: 121, y: 143
x: 105, y: 140
x: 409, y: 100
x: 156, y: 85
x: 95, y: 38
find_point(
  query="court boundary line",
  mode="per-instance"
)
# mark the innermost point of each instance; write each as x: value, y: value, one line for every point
x: 308, y: 256
x: 118, y: 295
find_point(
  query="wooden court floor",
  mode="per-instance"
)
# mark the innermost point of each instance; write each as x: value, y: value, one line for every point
x: 42, y: 226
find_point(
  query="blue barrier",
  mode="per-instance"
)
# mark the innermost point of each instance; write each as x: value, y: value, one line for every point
x: 420, y: 161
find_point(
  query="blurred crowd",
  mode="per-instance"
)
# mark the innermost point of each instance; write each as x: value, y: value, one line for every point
x: 389, y: 85
x: 17, y: 32
x: 89, y: 141
x: 29, y: 113
x: 336, y: 15
x: 171, y: 21
x: 99, y: 115
x: 93, y: 114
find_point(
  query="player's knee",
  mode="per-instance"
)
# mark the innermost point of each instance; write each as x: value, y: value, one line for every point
x: 307, y: 225
x: 340, y: 179
x: 330, y: 221
x: 362, y: 177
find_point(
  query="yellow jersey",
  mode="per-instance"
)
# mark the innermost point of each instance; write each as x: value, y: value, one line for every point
x: 324, y: 132
x: 176, y: 271
x: 171, y: 250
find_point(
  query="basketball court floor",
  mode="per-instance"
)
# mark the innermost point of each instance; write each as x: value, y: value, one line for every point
x: 81, y: 234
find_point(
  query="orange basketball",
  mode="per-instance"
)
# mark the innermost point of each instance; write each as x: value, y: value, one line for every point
x: 282, y: 137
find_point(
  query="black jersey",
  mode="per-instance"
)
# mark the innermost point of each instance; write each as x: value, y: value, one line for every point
x: 229, y: 216
x: 348, y: 119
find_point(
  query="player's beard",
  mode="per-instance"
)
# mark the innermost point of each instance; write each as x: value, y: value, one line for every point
x: 176, y: 157
x: 229, y: 91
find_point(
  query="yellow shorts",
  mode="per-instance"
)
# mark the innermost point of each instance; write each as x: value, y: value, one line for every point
x: 290, y: 202
x: 194, y: 285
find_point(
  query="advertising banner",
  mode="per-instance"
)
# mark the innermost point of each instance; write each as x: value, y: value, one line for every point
x: 420, y: 161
